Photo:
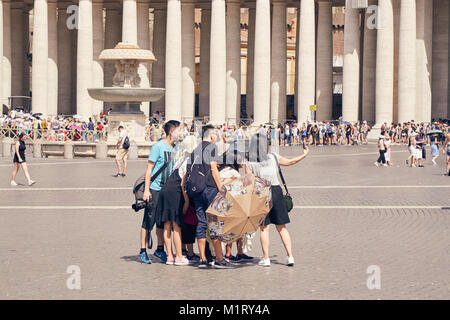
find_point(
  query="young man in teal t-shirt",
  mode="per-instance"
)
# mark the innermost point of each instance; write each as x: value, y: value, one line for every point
x: 160, y: 154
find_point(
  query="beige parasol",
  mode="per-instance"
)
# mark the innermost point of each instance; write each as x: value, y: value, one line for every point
x: 240, y: 207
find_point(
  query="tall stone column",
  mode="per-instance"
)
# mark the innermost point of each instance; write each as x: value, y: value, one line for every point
x: 261, y: 80
x: 173, y: 60
x: 113, y: 35
x: 350, y: 93
x: 424, y: 55
x: 297, y: 50
x: 233, y: 90
x: 84, y: 58
x: 129, y: 23
x: 98, y: 46
x: 440, y: 81
x: 250, y: 62
x: 324, y: 85
x: 143, y: 41
x: 2, y: 101
x: 65, y: 56
x: 7, y: 54
x: 52, y: 64
x: 407, y: 62
x: 17, y: 49
x: 159, y: 50
x: 217, y: 63
x: 385, y: 64
x: 26, y: 43
x: 74, y: 67
x: 188, y: 60
x: 278, y: 69
x: 396, y: 12
x: 307, y: 60
x: 205, y: 38
x: 40, y: 57
x: 369, y: 66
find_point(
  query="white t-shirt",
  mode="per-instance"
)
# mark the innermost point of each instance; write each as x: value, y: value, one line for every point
x: 267, y: 169
x: 123, y: 135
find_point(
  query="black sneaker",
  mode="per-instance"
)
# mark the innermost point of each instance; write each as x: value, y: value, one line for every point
x: 117, y: 175
x: 243, y: 257
x: 224, y: 264
x: 203, y: 264
x: 123, y: 175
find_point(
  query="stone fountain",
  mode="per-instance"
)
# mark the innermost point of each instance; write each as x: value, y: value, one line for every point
x: 126, y: 96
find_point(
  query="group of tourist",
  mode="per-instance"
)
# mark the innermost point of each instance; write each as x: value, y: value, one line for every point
x: 320, y: 133
x: 179, y: 211
x: 416, y: 137
x: 56, y: 128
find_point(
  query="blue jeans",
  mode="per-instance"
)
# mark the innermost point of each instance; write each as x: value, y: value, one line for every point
x: 201, y: 204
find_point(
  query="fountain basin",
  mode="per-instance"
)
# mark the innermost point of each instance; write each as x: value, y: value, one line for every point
x: 122, y: 94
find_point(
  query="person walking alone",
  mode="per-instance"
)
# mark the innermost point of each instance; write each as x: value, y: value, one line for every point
x: 20, y: 161
x: 123, y: 143
x: 382, y: 150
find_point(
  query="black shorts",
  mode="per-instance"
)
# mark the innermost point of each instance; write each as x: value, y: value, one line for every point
x: 149, y: 218
x: 188, y: 233
x: 278, y: 215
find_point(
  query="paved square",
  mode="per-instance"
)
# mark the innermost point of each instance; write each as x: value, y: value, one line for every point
x: 349, y: 215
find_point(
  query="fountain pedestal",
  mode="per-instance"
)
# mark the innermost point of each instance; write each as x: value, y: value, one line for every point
x: 134, y: 124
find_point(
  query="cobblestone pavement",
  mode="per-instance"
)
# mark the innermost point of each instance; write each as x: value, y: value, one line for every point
x: 348, y: 215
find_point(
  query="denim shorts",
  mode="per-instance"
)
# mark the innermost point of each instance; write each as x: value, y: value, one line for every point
x: 201, y: 204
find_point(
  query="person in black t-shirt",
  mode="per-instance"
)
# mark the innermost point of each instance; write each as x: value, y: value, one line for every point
x: 202, y: 201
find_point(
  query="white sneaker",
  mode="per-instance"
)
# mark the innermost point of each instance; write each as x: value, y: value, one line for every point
x: 290, y: 261
x: 183, y: 262
x: 434, y: 162
x: 376, y: 164
x: 264, y: 262
x: 31, y: 182
x: 13, y: 183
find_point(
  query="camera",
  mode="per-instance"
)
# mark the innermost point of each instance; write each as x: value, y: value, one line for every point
x: 139, y: 206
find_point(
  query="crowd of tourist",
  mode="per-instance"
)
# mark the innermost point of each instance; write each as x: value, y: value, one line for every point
x: 416, y: 137
x: 56, y: 128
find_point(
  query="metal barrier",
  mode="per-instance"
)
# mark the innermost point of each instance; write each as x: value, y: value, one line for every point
x: 49, y: 135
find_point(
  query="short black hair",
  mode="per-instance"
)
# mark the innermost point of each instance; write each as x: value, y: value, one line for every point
x: 206, y: 131
x: 120, y: 127
x: 21, y: 135
x: 169, y: 125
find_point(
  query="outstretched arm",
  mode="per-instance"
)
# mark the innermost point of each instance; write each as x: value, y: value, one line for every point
x: 291, y: 161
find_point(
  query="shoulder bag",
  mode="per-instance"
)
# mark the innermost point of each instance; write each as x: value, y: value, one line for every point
x: 287, y: 197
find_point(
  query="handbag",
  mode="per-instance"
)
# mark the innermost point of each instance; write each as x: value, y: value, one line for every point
x: 287, y: 197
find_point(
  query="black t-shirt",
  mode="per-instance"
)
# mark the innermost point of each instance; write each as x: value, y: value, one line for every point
x: 208, y: 154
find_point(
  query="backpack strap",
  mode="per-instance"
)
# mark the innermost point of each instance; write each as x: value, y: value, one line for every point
x: 281, y: 173
x: 157, y: 173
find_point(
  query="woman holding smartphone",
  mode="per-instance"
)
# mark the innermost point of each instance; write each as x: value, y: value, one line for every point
x: 20, y: 161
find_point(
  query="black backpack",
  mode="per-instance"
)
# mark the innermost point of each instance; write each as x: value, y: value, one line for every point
x: 126, y: 143
x: 196, y: 175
